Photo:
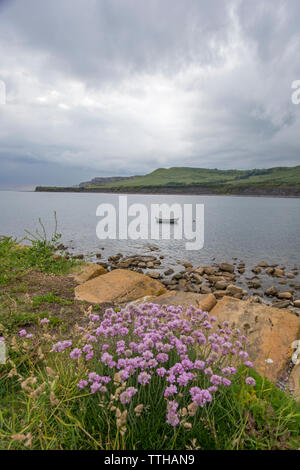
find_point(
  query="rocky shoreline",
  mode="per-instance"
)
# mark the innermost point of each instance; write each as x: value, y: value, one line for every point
x: 270, y: 319
x: 264, y: 283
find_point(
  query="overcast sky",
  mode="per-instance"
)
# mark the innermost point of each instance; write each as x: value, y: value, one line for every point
x: 121, y: 87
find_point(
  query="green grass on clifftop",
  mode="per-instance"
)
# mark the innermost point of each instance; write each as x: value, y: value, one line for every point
x: 196, y: 176
x: 284, y: 181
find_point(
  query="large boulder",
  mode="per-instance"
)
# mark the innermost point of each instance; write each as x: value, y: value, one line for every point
x: 86, y: 272
x: 270, y: 331
x: 203, y: 301
x: 118, y: 286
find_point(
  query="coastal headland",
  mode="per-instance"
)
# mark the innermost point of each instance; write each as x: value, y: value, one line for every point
x: 272, y: 182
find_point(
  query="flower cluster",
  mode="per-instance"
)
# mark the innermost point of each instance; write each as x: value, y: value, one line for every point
x: 61, y: 346
x: 23, y: 333
x: 182, y: 351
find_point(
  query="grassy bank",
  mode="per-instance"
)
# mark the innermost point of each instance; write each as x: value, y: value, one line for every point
x: 42, y: 406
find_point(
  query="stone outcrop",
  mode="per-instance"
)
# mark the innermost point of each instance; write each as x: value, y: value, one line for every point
x: 270, y: 332
x: 227, y: 267
x: 87, y: 271
x: 118, y: 286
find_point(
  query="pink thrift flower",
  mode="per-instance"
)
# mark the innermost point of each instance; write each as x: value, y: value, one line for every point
x: 82, y: 384
x: 144, y: 378
x: 87, y: 348
x: 125, y: 397
x: 171, y: 378
x: 216, y: 379
x: 161, y: 371
x: 171, y: 390
x: 199, y: 365
x: 250, y: 381
x: 244, y: 355
x: 162, y: 357
x: 76, y: 353
x: 226, y: 382
x: 172, y: 418
x: 89, y: 356
x: 248, y: 364
x: 106, y: 358
x: 93, y: 377
x: 96, y: 387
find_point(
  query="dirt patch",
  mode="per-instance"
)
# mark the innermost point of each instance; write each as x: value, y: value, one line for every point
x: 36, y: 295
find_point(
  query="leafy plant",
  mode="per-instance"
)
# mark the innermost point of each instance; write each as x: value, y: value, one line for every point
x: 40, y: 238
x: 55, y: 397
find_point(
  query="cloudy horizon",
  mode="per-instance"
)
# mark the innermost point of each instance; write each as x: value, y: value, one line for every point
x: 122, y: 87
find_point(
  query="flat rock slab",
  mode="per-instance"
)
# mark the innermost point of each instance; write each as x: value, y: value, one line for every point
x: 203, y: 301
x: 270, y: 332
x: 86, y: 272
x: 118, y: 286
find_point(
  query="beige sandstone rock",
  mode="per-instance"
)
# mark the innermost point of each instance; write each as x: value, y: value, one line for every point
x: 226, y: 267
x: 270, y: 332
x: 271, y: 291
x: 219, y: 293
x: 154, y: 274
x: 118, y: 286
x: 221, y: 285
x: 86, y: 272
x: 209, y: 270
x: 203, y: 301
x: 278, y: 272
x: 197, y: 278
x: 200, y: 271
x: 284, y: 295
x: 263, y: 264
x: 234, y: 290
x: 290, y: 275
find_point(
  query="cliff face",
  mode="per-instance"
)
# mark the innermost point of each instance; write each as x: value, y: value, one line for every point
x: 197, y: 190
x: 277, y: 181
x: 103, y: 180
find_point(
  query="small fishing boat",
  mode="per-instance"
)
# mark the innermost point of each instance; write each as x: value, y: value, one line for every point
x: 170, y: 220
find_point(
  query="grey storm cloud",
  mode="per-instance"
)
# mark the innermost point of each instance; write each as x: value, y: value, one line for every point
x: 107, y: 87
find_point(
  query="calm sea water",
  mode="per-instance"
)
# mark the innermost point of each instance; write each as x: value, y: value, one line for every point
x: 250, y: 229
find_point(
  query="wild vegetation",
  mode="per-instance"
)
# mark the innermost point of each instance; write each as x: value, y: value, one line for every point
x: 80, y: 377
x: 277, y: 180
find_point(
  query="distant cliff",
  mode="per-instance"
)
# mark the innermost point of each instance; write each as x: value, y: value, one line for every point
x: 103, y: 180
x: 277, y: 181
